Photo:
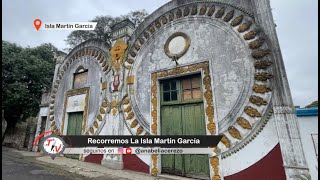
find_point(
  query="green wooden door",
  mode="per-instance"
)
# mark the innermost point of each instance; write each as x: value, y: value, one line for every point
x: 171, y: 120
x: 194, y: 124
x: 74, y: 127
x: 182, y: 114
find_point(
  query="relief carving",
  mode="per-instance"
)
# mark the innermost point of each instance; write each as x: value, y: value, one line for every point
x: 146, y: 34
x: 186, y: 11
x: 164, y: 20
x: 102, y: 111
x: 259, y: 88
x: 158, y: 24
x: 209, y: 112
x: 245, y: 26
x: 139, y: 130
x: 260, y: 53
x: 105, y: 104
x: 234, y: 132
x: 245, y: 124
x: 214, y: 161
x: 117, y: 54
x: 99, y: 117
x: 178, y: 13
x: 141, y: 41
x: 171, y: 16
x: 152, y: 30
x: 130, y: 60
x: 211, y: 128
x: 228, y: 16
x: 256, y: 43
x: 95, y: 124
x: 154, y: 128
x: 220, y: 12
x: 203, y: 10
x: 126, y: 101
x: 130, y: 79
x: 211, y: 10
x: 262, y: 64
x: 257, y: 100
x: 194, y: 10
x: 263, y: 76
x: 225, y: 141
x: 237, y: 21
x: 91, y: 130
x: 154, y: 170
x: 136, y: 46
x: 251, y: 34
x: 206, y: 80
x: 216, y: 177
x: 253, y: 112
x: 128, y: 109
x: 134, y: 124
x: 208, y: 96
x: 283, y: 110
x: 130, y: 116
x: 154, y: 102
x: 105, y: 68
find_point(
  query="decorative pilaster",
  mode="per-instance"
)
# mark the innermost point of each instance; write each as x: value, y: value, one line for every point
x: 115, y: 87
x: 285, y: 118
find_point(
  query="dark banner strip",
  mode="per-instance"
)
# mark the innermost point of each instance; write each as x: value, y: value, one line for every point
x: 142, y: 141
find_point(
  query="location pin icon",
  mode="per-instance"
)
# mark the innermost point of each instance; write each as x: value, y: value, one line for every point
x: 37, y: 23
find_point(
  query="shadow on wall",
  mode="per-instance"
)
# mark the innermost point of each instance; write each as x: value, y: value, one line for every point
x: 21, y: 136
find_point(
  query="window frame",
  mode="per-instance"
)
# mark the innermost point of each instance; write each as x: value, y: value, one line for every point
x: 82, y: 70
x: 179, y: 88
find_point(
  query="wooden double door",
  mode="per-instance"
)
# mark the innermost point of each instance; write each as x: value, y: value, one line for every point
x: 182, y: 113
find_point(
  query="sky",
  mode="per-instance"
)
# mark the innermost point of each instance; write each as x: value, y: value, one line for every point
x: 296, y: 20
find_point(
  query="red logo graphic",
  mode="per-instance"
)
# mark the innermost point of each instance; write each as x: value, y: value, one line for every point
x: 128, y: 150
x: 37, y: 23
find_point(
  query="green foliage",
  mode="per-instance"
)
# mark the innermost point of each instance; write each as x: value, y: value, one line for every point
x: 313, y: 104
x: 26, y: 73
x: 102, y: 30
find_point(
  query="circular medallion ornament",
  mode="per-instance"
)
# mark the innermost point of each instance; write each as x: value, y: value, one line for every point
x: 177, y: 45
x: 53, y: 145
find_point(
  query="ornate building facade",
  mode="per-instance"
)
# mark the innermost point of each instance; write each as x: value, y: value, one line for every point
x: 193, y: 67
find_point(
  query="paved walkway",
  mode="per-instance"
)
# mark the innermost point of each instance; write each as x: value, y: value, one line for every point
x: 88, y: 170
x: 16, y: 167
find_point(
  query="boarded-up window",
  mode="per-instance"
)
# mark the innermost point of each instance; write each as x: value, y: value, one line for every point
x: 80, y: 79
x: 191, y: 88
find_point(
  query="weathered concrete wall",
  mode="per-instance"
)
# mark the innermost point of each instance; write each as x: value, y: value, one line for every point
x: 230, y: 64
x: 4, y: 124
x: 95, y: 77
x: 30, y: 132
x: 232, y: 72
x: 308, y: 126
x: 45, y: 98
x: 15, y: 137
x: 22, y: 135
x: 93, y: 81
x: 289, y: 136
